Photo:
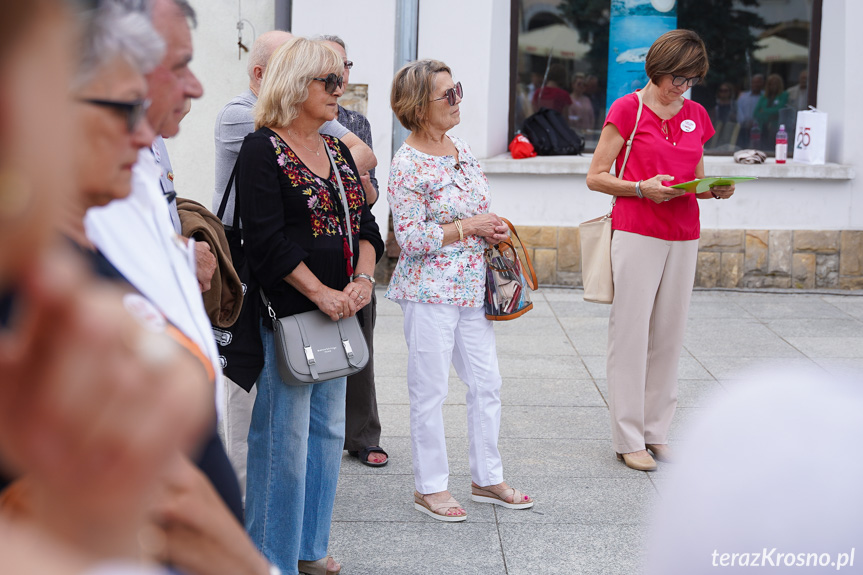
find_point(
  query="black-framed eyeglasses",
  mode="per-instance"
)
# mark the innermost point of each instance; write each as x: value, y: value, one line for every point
x: 348, y: 64
x: 450, y: 95
x: 681, y: 80
x: 331, y: 82
x: 133, y: 112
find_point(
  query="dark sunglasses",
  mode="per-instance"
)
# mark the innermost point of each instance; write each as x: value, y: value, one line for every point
x: 681, y: 80
x: 132, y: 112
x: 450, y: 95
x: 331, y: 82
x: 348, y: 64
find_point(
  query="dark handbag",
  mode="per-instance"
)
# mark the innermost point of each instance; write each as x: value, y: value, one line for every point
x: 550, y: 134
x: 506, y: 286
x: 310, y: 347
x: 241, y: 351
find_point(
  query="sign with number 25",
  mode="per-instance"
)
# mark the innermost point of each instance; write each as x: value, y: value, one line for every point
x: 810, y: 141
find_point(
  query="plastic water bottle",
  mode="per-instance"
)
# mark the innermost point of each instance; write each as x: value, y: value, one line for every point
x: 755, y: 137
x: 781, y: 145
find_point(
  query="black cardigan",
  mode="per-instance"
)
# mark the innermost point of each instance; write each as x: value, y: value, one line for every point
x: 290, y: 215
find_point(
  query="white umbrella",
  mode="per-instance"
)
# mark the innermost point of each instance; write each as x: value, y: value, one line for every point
x: 776, y: 49
x: 558, y: 40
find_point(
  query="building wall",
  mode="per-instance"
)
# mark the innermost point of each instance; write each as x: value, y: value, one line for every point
x: 223, y: 75
x: 473, y: 38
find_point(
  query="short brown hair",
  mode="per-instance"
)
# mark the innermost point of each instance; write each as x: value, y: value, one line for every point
x: 678, y: 53
x: 412, y: 91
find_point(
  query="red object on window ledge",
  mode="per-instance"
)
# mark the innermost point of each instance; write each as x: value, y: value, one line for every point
x: 520, y: 147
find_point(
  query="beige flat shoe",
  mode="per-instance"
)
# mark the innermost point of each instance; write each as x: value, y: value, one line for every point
x: 639, y: 463
x: 318, y: 567
x: 661, y: 452
x: 517, y: 499
x: 438, y: 510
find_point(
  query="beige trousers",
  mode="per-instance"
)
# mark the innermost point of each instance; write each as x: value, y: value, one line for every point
x: 653, y: 281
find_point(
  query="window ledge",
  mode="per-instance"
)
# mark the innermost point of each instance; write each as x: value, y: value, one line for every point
x: 713, y: 165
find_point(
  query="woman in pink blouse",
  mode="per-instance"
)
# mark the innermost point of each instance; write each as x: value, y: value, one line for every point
x: 440, y: 204
x: 654, y: 247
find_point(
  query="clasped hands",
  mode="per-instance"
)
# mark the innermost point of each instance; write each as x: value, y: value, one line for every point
x: 347, y: 302
x: 490, y: 227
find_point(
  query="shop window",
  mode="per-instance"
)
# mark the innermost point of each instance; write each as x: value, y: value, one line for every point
x: 758, y: 50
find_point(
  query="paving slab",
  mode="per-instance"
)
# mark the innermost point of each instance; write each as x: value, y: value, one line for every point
x: 844, y: 347
x: 592, y: 512
x: 688, y: 367
x: 567, y: 549
x: 416, y: 548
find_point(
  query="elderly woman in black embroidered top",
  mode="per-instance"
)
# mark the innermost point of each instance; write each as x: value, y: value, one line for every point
x: 297, y: 245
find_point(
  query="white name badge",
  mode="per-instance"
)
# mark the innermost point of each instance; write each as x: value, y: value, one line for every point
x: 687, y: 125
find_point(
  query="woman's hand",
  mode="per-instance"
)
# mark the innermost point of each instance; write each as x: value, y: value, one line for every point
x: 488, y: 226
x: 723, y: 192
x: 360, y: 291
x: 368, y: 188
x: 653, y: 189
x: 199, y: 533
x: 336, y: 304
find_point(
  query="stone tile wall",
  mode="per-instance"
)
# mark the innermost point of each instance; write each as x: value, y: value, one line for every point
x: 800, y: 259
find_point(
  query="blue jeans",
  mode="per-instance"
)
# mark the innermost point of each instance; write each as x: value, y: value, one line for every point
x: 295, y: 451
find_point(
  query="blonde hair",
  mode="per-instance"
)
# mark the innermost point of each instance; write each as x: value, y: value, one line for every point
x: 676, y: 53
x: 412, y: 90
x: 286, y: 81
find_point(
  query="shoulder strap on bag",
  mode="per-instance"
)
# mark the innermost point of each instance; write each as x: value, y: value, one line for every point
x: 632, y: 135
x: 531, y: 279
x: 342, y: 195
x: 224, y: 204
x: 640, y: 97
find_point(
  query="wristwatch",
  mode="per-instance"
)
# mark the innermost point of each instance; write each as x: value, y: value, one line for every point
x: 366, y: 277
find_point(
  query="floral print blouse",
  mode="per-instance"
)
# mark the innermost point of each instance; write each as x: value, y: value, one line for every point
x: 424, y: 193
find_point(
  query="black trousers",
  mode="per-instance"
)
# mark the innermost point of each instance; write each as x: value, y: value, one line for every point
x: 362, y: 424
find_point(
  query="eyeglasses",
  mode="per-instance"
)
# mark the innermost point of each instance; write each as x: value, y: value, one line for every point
x: 348, y: 64
x: 132, y: 112
x: 681, y: 80
x: 451, y: 94
x: 331, y: 82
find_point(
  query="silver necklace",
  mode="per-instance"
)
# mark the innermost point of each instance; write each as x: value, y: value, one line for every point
x: 316, y: 151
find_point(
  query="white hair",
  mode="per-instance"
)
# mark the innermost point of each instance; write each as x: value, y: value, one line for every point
x: 113, y: 31
x: 332, y: 38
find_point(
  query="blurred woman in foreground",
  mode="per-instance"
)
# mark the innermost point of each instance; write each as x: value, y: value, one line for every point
x: 92, y: 406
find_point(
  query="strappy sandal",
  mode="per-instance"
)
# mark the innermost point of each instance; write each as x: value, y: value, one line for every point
x: 363, y: 456
x: 318, y: 567
x: 434, y: 509
x: 485, y: 495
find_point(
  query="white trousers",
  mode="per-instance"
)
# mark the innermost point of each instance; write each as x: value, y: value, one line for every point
x: 653, y: 281
x: 234, y: 427
x: 437, y: 336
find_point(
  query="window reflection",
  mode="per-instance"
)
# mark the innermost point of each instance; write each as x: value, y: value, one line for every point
x: 759, y: 60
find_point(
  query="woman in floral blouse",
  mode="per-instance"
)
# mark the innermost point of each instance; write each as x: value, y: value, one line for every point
x: 440, y: 204
x: 297, y: 247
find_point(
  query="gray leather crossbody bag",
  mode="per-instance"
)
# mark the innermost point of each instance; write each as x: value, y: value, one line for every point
x: 310, y: 347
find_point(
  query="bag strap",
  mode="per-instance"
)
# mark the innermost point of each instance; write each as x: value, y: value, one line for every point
x: 639, y: 94
x: 343, y: 197
x: 531, y: 280
x: 346, y: 344
x: 632, y: 135
x: 223, y: 206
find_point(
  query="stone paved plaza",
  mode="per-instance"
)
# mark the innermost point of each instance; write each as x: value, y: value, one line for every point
x: 591, y: 511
